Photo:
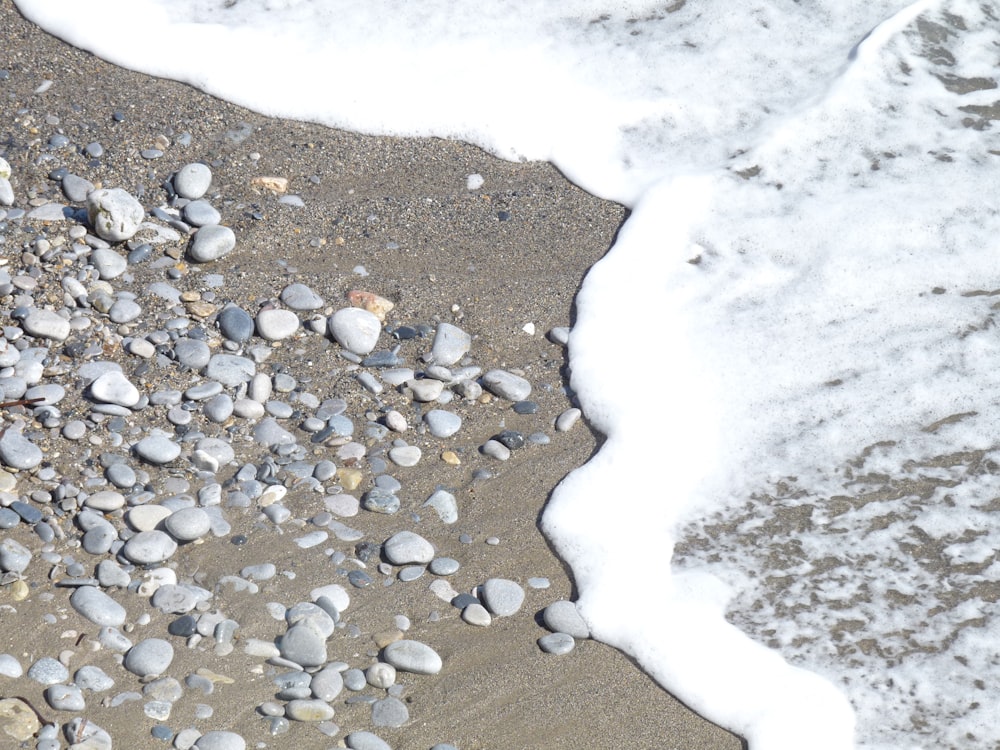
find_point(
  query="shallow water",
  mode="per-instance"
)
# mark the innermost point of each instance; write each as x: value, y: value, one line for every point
x: 812, y: 256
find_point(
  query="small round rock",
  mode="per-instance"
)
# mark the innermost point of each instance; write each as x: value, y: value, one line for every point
x: 149, y: 657
x: 192, y: 181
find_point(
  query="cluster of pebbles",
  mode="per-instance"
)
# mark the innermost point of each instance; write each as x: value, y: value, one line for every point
x: 144, y: 419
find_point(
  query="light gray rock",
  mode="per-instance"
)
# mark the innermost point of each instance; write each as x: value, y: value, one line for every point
x: 201, y: 214
x: 45, y: 324
x: 109, y: 264
x: 502, y: 597
x: 114, y: 214
x: 476, y: 614
x: 149, y: 547
x: 301, y: 297
x: 149, y: 657
x: 304, y: 645
x: 188, y: 524
x: 220, y: 740
x: 211, y: 243
x: 445, y: 504
x: 14, y: 556
x: 389, y: 712
x: 567, y: 419
x: 355, y: 329
x: 276, y: 324
x: 413, y: 656
x: 93, y: 604
x: 556, y: 643
x: 507, y: 385
x: 17, y: 452
x: 563, y: 617
x: 10, y: 666
x: 192, y: 353
x: 157, y: 449
x: 441, y: 423
x: 65, y: 698
x: 48, y: 671
x: 192, y: 181
x: 407, y: 547
x: 93, y: 679
x: 451, y: 343
x: 405, y: 455
x: 230, y: 369
x: 114, y: 388
x: 327, y: 684
x: 366, y: 741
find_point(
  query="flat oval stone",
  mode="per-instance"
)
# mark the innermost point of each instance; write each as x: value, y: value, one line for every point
x: 507, y: 385
x: 17, y: 452
x: 407, y: 547
x: 45, y: 324
x: 109, y: 264
x: 188, y: 524
x: 563, y: 617
x: 405, y: 455
x: 48, y: 671
x: 220, y: 740
x: 149, y: 657
x: 276, y: 324
x: 149, y: 547
x: 390, y: 712
x: 308, y: 709
x: 157, y: 449
x: 301, y: 297
x: 441, y: 423
x: 14, y: 556
x: 502, y: 597
x: 93, y: 604
x: 230, y: 370
x: 366, y: 741
x: 327, y: 684
x: 200, y: 213
x: 65, y: 698
x: 413, y: 656
x: 556, y: 643
x: 211, y: 243
x: 304, y: 645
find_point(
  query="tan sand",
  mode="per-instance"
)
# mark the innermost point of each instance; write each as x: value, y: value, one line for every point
x: 451, y: 259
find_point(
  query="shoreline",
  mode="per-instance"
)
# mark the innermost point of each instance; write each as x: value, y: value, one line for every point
x: 491, y: 261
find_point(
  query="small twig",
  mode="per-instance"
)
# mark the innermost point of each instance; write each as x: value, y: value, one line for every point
x: 21, y: 402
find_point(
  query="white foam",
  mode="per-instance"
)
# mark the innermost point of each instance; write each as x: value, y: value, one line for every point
x: 812, y: 253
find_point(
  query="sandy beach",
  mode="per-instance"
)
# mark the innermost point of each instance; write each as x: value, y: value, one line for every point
x: 489, y: 260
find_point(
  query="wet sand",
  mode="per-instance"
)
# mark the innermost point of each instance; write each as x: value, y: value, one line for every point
x: 489, y: 260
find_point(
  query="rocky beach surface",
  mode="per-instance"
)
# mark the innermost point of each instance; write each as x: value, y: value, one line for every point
x: 281, y: 408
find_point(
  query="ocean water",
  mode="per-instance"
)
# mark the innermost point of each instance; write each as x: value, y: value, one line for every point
x: 793, y: 526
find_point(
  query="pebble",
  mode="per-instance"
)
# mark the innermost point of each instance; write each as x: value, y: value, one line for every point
x: 563, y: 617
x: 48, y: 671
x: 566, y: 420
x: 495, y: 449
x: 235, y: 323
x: 10, y: 666
x: 389, y: 712
x: 95, y: 605
x: 230, y: 370
x: 502, y: 597
x: 327, y: 684
x: 441, y: 423
x: 114, y: 214
x: 211, y: 243
x: 556, y: 643
x: 405, y: 455
x: 451, y: 343
x: 149, y: 547
x: 152, y: 656
x: 301, y: 297
x: 17, y: 719
x: 192, y: 353
x: 304, y: 645
x: 14, y: 556
x: 201, y: 213
x: 65, y: 698
x: 157, y: 449
x: 413, y: 656
x: 188, y: 524
x: 45, y: 324
x: 114, y: 388
x: 426, y: 389
x: 355, y: 329
x: 308, y: 710
x: 276, y: 324
x: 192, y: 181
x: 507, y: 385
x: 407, y: 547
x: 379, y: 500
x: 475, y: 613
x: 366, y: 741
x: 220, y: 740
x: 93, y: 679
x: 381, y: 675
